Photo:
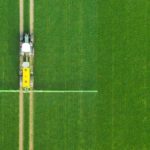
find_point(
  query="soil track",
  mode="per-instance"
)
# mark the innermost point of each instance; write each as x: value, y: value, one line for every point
x: 21, y: 120
x: 31, y: 97
x: 31, y: 16
x: 31, y: 122
x: 21, y: 113
x: 21, y: 95
x: 21, y: 16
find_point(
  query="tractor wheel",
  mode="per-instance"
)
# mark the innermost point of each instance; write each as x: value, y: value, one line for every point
x: 21, y: 37
x: 32, y: 38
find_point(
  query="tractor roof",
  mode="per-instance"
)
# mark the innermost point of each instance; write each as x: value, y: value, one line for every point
x: 26, y: 47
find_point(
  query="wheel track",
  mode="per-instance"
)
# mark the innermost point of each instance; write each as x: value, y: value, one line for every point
x: 31, y: 17
x: 21, y: 16
x: 31, y: 96
x: 31, y: 120
x: 21, y: 95
x: 21, y: 120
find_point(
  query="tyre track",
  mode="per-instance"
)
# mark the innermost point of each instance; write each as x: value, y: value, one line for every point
x: 21, y: 105
x: 31, y: 96
x: 31, y: 16
x: 21, y: 16
x: 21, y: 120
x: 31, y: 120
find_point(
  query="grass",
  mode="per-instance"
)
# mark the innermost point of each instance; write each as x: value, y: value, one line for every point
x: 124, y: 74
x: 9, y: 27
x: 66, y: 54
x: 82, y: 45
x: 26, y: 16
x: 9, y: 121
x: 66, y: 45
x: 67, y: 121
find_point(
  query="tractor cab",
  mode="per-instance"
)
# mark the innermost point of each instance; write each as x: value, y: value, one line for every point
x: 26, y: 45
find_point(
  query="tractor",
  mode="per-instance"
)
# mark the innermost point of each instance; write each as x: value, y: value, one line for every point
x: 26, y: 62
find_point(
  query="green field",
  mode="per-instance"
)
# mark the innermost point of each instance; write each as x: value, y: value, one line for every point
x: 9, y: 121
x: 9, y: 25
x: 69, y: 121
x: 66, y: 44
x: 80, y: 45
